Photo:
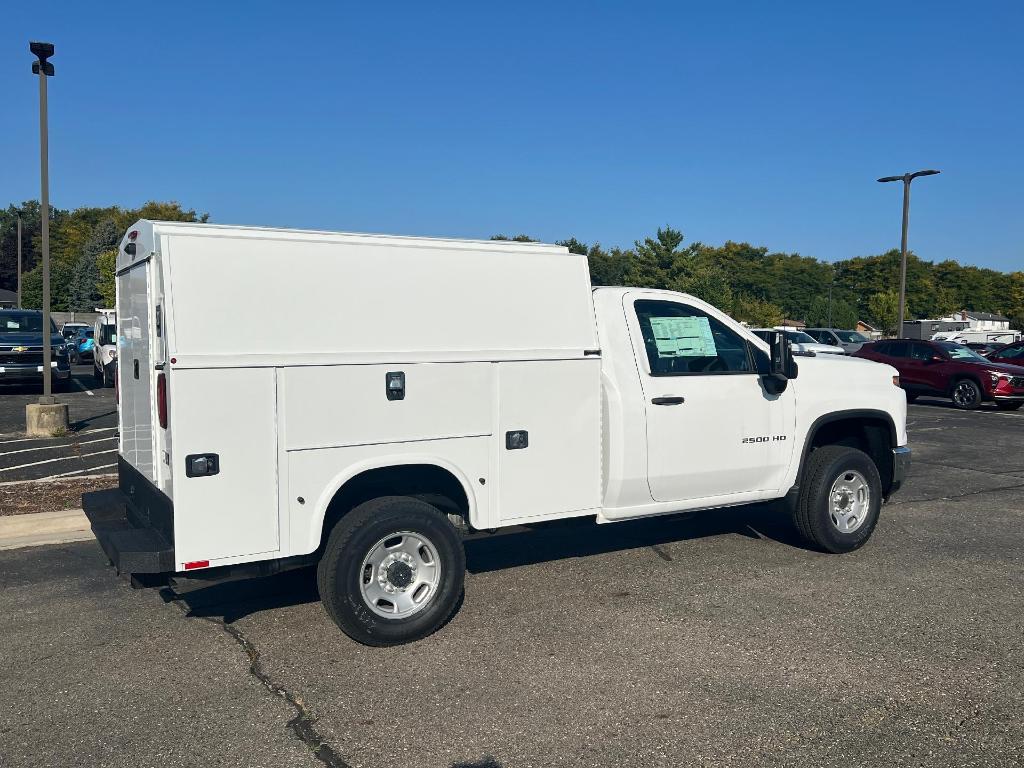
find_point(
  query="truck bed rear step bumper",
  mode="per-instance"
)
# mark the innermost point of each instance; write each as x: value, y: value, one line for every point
x: 130, y: 549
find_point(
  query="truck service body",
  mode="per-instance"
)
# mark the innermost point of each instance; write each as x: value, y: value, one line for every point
x: 358, y: 401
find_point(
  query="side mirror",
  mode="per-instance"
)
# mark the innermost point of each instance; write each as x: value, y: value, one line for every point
x: 782, y: 367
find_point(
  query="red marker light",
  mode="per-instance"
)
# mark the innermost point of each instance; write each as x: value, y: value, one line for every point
x: 197, y: 564
x: 133, y: 235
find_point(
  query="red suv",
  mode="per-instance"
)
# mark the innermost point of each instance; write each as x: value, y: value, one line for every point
x: 949, y: 370
x: 1011, y: 354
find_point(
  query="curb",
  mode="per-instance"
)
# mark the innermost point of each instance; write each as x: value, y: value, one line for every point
x: 39, y: 528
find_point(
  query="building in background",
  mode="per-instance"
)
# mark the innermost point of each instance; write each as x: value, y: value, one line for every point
x: 980, y: 321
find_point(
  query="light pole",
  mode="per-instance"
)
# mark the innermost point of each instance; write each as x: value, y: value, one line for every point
x: 19, y: 258
x: 906, y: 179
x: 43, y: 68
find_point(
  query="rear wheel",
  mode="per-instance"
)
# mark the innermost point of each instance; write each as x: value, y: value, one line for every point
x: 840, y: 499
x: 966, y: 395
x: 392, y: 571
x: 1008, y: 406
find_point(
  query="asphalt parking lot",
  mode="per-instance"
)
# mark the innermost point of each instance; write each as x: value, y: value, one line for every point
x: 702, y: 639
x: 90, y: 446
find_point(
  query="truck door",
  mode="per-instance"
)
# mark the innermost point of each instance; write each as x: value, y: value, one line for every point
x: 712, y: 429
x: 135, y: 368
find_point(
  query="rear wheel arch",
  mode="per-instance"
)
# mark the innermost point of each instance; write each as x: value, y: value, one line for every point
x: 428, y: 479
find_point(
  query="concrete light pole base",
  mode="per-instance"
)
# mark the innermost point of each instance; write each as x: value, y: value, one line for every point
x: 46, y: 420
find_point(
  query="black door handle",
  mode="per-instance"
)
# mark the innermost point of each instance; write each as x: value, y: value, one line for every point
x: 676, y: 400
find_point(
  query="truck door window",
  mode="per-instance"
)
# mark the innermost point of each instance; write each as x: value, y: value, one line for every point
x: 681, y: 340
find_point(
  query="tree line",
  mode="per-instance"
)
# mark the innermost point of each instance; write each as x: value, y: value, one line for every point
x: 764, y: 288
x: 749, y: 282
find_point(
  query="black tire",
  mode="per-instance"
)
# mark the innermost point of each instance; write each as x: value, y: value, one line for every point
x: 966, y: 394
x: 340, y: 574
x: 108, y: 378
x: 813, y: 514
x: 97, y: 373
x: 1004, y: 405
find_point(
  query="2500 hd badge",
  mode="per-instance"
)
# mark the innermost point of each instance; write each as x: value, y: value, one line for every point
x: 762, y: 439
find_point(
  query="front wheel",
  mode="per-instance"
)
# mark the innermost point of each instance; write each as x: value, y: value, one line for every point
x: 1007, y: 405
x: 840, y: 499
x: 966, y: 395
x: 392, y: 571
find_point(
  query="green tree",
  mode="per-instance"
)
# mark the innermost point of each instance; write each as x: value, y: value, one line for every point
x: 574, y: 246
x: 654, y: 260
x: 106, y: 264
x: 757, y: 312
x: 884, y: 307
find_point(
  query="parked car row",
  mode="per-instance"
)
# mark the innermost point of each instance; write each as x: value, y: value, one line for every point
x: 948, y: 369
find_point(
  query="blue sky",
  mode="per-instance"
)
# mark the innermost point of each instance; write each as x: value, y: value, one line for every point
x: 764, y: 122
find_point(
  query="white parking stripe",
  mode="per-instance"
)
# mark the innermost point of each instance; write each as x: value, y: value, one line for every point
x: 61, y: 445
x: 50, y: 461
x: 83, y: 432
x: 81, y: 386
x: 78, y: 471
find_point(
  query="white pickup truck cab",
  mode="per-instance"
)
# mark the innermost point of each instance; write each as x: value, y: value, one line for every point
x: 357, y: 402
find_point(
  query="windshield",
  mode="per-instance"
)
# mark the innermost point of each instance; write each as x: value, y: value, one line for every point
x: 799, y: 337
x: 851, y: 337
x: 961, y: 352
x: 23, y: 322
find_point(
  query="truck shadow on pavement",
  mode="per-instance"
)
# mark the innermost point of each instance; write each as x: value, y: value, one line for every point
x: 233, y: 600
x: 581, y: 537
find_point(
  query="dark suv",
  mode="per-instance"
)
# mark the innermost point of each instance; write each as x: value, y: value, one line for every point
x: 950, y: 370
x: 21, y: 349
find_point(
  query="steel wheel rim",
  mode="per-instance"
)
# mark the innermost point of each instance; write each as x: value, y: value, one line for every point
x: 849, y: 501
x: 400, y: 574
x: 964, y: 394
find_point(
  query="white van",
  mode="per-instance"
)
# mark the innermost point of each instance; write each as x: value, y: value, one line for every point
x: 391, y: 393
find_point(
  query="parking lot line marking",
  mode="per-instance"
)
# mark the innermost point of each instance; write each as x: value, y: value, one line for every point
x: 83, y: 432
x: 79, y: 471
x: 58, y: 445
x: 50, y: 461
x: 81, y: 386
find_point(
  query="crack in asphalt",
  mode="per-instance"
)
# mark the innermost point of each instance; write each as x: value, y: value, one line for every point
x: 303, y: 724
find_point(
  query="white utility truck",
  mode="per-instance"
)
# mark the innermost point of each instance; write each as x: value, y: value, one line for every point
x: 358, y: 402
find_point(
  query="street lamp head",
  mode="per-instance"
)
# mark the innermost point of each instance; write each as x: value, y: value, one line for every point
x: 923, y: 173
x: 44, y: 51
x: 891, y: 178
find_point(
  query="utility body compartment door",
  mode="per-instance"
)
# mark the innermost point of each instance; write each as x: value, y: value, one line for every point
x: 712, y: 429
x: 232, y: 413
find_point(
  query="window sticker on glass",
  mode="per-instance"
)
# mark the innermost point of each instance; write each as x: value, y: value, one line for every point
x: 683, y: 337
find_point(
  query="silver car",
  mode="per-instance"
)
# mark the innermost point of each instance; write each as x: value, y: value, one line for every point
x: 850, y: 341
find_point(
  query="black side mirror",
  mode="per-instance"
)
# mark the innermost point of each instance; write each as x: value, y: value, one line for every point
x: 782, y: 367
